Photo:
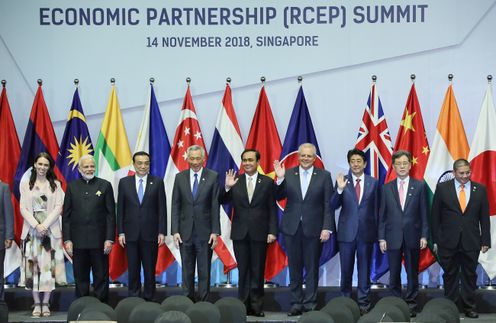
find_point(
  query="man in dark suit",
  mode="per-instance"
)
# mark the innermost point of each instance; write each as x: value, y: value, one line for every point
x: 308, y: 221
x: 141, y: 223
x: 460, y: 231
x: 6, y: 228
x: 88, y: 224
x: 195, y: 222
x: 358, y: 196
x: 403, y: 227
x: 254, y: 225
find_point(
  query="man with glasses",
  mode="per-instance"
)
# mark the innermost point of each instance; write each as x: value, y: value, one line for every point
x: 403, y: 227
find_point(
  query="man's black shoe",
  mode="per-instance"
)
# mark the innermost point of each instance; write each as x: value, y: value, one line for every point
x: 413, y: 313
x: 363, y: 311
x: 471, y: 314
x: 294, y: 312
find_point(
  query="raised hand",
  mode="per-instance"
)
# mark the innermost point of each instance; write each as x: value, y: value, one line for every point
x: 231, y: 179
x: 279, y: 169
x: 341, y: 181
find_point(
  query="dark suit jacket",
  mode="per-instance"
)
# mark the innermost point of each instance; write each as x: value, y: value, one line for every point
x: 6, y: 216
x: 450, y: 225
x: 314, y: 210
x: 88, y: 218
x: 203, y: 212
x: 256, y: 219
x: 357, y: 221
x: 410, y: 224
x: 141, y: 221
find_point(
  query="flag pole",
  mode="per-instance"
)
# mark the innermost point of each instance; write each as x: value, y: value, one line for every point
x: 412, y: 77
x: 4, y: 82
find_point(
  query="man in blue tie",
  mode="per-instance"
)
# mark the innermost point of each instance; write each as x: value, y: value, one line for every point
x: 195, y: 222
x: 308, y: 221
x: 141, y: 223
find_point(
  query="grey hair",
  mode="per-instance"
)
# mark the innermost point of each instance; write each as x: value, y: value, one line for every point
x: 308, y: 145
x: 196, y: 148
x: 85, y: 157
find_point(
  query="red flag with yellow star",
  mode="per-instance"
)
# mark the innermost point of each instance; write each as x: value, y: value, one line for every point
x: 411, y: 137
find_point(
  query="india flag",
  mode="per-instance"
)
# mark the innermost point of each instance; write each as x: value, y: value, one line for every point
x: 113, y: 160
x: 450, y: 143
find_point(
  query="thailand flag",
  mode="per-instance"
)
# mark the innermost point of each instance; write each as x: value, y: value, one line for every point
x: 225, y: 153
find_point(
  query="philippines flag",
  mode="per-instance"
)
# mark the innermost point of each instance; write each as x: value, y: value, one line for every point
x: 225, y: 153
x: 188, y: 133
x: 153, y: 139
x: 300, y: 130
x: 375, y: 141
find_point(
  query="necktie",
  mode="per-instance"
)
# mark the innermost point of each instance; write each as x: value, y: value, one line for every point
x: 304, y: 188
x: 250, y: 188
x: 195, y: 186
x: 462, y: 198
x: 402, y: 194
x: 140, y: 190
x: 357, y: 189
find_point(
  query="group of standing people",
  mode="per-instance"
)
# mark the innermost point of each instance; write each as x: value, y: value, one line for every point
x: 396, y: 216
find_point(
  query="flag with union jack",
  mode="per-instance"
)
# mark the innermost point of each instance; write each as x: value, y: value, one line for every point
x: 374, y: 139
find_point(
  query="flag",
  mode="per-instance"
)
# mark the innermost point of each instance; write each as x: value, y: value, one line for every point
x: 113, y: 159
x: 300, y: 130
x: 76, y: 141
x: 188, y: 133
x: 375, y: 141
x: 411, y: 137
x: 483, y: 160
x: 263, y: 137
x: 10, y: 151
x: 450, y: 143
x: 152, y: 138
x: 225, y: 153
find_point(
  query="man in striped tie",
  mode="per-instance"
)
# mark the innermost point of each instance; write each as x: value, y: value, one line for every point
x: 460, y: 231
x: 403, y: 227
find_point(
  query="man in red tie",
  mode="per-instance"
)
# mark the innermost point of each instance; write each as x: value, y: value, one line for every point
x: 357, y: 195
x: 460, y: 231
x: 403, y: 227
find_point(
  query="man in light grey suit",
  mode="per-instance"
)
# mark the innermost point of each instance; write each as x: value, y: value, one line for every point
x: 308, y: 221
x: 195, y: 222
x: 6, y: 228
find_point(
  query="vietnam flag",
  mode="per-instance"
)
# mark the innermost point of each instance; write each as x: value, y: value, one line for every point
x: 411, y: 137
x: 483, y: 160
x: 450, y: 143
x: 264, y: 137
x: 113, y: 160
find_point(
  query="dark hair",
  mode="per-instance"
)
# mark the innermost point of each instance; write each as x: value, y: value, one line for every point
x: 141, y: 153
x: 356, y: 151
x: 459, y: 163
x: 50, y: 175
x: 257, y: 154
x: 400, y: 153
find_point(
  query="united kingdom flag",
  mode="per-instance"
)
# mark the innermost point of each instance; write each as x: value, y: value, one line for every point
x: 374, y: 139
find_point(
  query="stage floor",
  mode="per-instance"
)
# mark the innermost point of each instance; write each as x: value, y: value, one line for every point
x: 277, y: 302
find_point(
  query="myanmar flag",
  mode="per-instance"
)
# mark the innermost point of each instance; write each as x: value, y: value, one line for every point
x: 113, y: 160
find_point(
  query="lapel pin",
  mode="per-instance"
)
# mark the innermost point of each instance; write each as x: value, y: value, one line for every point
x: 151, y: 183
x: 296, y: 173
x: 259, y: 181
x: 203, y: 178
x: 475, y: 187
x: 98, y: 193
